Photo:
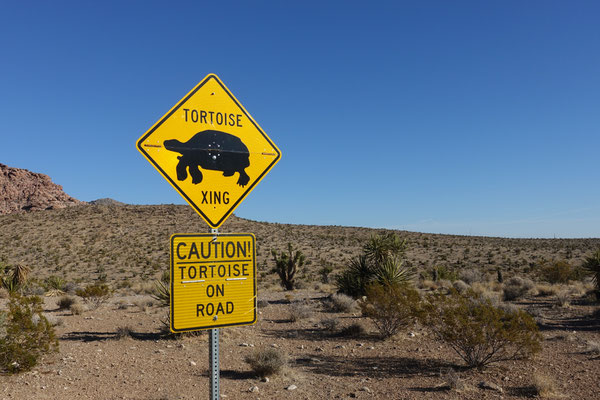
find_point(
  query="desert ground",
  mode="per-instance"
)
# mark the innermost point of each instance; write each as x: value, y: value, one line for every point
x: 118, y: 349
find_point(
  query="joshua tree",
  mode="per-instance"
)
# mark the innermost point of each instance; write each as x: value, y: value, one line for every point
x: 287, y: 264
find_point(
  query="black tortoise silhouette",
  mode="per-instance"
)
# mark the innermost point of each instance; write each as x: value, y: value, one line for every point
x: 212, y: 150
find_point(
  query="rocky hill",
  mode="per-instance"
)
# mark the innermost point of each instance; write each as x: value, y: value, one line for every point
x: 23, y: 190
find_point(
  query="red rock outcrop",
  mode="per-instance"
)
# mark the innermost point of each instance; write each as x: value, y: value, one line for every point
x: 23, y: 190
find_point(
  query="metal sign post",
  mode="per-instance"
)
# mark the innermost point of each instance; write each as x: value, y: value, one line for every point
x: 213, y: 350
x: 213, y: 362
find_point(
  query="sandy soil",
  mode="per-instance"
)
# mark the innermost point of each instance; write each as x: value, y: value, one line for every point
x: 94, y: 363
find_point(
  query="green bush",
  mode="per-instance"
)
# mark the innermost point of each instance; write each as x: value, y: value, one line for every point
x: 516, y: 287
x: 443, y: 273
x: 560, y: 272
x: 95, y: 294
x: 391, y: 307
x: 25, y: 334
x: 266, y: 362
x: 477, y: 331
x: 65, y: 302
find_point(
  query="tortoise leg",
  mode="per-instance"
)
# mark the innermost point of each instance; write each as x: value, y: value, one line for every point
x: 243, y: 179
x: 181, y: 169
x: 196, y: 174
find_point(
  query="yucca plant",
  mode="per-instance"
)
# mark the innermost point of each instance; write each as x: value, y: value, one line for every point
x: 16, y: 279
x: 592, y: 265
x: 391, y: 271
x: 162, y: 293
x: 382, y: 262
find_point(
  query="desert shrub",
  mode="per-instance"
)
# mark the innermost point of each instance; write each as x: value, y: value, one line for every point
x: 391, y: 307
x: 477, y: 331
x: 544, y: 386
x: 325, y: 271
x: 471, y: 276
x: 592, y: 266
x: 65, y: 302
x: 560, y: 272
x: 441, y: 272
x: 287, y: 265
x: 70, y: 287
x: 339, y: 302
x: 330, y: 324
x: 77, y: 308
x: 25, y: 334
x: 516, y: 287
x: 266, y: 362
x: 261, y: 303
x: 95, y: 294
x: 355, y: 329
x: 563, y: 298
x: 124, y: 332
x: 299, y: 311
x: 546, y: 289
x: 460, y: 286
x: 382, y: 261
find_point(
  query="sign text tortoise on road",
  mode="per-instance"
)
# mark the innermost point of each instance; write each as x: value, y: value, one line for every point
x: 213, y: 281
x: 210, y: 149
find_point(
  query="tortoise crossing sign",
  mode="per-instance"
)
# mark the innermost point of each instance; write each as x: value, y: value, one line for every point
x: 210, y: 150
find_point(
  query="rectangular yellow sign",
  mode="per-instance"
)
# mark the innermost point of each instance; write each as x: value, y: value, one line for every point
x: 213, y: 280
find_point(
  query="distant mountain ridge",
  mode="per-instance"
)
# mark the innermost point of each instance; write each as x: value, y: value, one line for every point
x: 22, y: 190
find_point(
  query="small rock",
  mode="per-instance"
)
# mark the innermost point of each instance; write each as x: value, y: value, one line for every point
x: 366, y: 389
x: 192, y: 363
x: 291, y: 387
x: 412, y: 334
x: 244, y: 345
x: 253, y: 389
x: 490, y: 386
x: 371, y: 348
x: 319, y: 349
x: 275, y: 345
x: 265, y: 379
x: 340, y: 346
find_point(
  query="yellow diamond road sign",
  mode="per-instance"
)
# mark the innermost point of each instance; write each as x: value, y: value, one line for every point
x: 210, y: 150
x: 213, y: 281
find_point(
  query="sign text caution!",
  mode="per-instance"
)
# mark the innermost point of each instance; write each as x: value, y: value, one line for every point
x: 213, y: 281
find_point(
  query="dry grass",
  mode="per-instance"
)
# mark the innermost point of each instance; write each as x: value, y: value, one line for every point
x: 545, y: 387
x: 129, y: 246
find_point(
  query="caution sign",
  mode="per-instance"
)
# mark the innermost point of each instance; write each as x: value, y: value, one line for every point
x: 210, y: 150
x: 213, y: 281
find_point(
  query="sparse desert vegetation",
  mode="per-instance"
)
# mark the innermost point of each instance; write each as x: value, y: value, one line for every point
x: 442, y: 316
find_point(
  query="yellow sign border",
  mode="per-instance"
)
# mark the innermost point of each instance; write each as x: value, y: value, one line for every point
x: 211, y: 223
x: 172, y: 284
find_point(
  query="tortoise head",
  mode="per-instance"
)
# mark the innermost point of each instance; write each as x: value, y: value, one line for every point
x: 174, y: 145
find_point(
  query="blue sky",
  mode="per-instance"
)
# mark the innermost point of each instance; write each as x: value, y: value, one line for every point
x: 462, y: 117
